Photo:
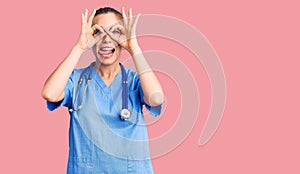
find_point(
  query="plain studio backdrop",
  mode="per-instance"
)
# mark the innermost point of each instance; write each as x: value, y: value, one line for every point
x: 257, y: 43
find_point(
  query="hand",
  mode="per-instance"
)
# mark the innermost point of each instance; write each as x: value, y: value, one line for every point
x: 87, y: 39
x: 127, y: 36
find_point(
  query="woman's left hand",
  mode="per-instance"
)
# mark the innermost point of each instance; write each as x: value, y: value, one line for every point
x: 126, y: 33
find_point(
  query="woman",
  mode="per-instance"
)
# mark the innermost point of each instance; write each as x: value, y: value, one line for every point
x: 107, y: 128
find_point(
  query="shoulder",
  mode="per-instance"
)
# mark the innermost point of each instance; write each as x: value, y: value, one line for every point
x: 132, y: 75
x: 80, y: 70
x: 77, y: 73
x: 131, y: 72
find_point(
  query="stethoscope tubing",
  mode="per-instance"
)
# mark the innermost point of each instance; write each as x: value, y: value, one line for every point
x: 125, y: 113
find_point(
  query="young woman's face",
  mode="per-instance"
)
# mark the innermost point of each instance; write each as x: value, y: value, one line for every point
x: 106, y: 50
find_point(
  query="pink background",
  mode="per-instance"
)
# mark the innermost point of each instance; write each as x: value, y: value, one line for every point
x: 258, y: 45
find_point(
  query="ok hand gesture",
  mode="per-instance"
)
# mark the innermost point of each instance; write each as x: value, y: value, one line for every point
x: 127, y: 36
x: 87, y: 39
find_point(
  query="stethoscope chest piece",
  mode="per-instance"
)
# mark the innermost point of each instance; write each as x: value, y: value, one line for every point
x: 125, y: 114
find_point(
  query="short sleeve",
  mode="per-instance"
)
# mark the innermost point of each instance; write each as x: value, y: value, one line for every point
x: 154, y: 110
x: 67, y: 101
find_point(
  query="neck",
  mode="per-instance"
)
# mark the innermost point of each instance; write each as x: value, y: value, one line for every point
x: 107, y: 71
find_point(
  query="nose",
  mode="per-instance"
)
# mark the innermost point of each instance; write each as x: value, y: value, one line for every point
x: 106, y: 38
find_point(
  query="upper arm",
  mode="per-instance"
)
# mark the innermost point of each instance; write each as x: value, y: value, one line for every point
x: 65, y: 98
x: 62, y: 96
x: 154, y: 110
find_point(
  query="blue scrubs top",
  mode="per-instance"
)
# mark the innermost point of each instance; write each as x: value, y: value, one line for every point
x: 99, y: 141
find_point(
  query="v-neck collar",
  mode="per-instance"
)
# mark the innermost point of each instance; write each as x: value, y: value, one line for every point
x: 101, y: 82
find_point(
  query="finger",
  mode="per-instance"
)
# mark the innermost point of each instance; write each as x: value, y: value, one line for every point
x: 94, y: 41
x: 85, y: 15
x: 130, y: 12
x: 91, y: 18
x: 112, y: 36
x: 96, y: 38
x: 135, y: 22
x: 120, y: 27
x: 124, y: 15
x: 97, y: 27
x: 82, y: 22
x: 130, y: 17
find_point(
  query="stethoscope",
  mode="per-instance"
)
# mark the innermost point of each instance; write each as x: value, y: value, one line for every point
x: 125, y: 113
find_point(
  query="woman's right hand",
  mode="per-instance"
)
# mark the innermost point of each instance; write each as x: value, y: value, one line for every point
x: 87, y: 39
x: 54, y: 86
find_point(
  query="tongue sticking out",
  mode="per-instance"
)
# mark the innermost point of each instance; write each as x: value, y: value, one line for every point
x: 106, y: 52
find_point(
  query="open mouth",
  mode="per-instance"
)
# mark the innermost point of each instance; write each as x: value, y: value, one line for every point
x: 106, y: 52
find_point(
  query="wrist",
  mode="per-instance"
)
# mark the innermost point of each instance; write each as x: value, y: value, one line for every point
x: 78, y: 49
x: 135, y: 50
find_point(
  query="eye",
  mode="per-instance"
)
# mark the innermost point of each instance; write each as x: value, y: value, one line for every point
x: 97, y: 32
x: 117, y: 32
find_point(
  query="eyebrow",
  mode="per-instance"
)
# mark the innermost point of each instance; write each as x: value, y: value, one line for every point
x: 114, y: 26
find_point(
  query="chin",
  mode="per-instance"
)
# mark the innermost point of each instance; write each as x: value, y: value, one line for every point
x: 109, y: 61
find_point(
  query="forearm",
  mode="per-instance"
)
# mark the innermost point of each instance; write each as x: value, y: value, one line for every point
x: 54, y: 86
x: 153, y: 93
